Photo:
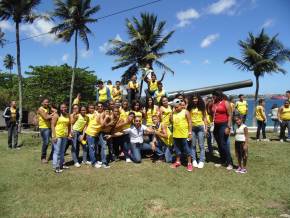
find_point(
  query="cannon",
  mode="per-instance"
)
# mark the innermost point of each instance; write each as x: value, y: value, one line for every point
x: 209, y: 89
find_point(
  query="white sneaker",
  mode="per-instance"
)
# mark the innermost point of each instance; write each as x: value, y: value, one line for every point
x: 97, y: 165
x: 258, y: 140
x: 194, y: 164
x: 65, y: 167
x: 281, y: 140
x: 128, y: 160
x: 217, y: 165
x: 99, y: 162
x: 200, y: 165
x: 229, y: 167
x: 77, y: 165
x: 105, y: 166
x: 265, y: 140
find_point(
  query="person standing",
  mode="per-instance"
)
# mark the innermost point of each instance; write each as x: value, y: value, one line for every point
x: 77, y: 99
x: 242, y: 107
x: 103, y: 93
x: 222, y: 117
x: 44, y: 120
x: 60, y: 127
x: 274, y: 117
x: 133, y: 89
x: 284, y: 119
x: 288, y: 95
x: 160, y: 92
x: 165, y: 112
x: 261, y: 120
x: 117, y: 92
x: 152, y: 84
x: 181, y: 122
x: 11, y: 116
x: 197, y: 111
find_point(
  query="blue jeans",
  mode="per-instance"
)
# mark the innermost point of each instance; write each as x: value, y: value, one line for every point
x: 276, y: 125
x: 58, y: 152
x: 198, y: 134
x: 136, y: 150
x: 45, y: 134
x: 223, y: 143
x: 181, y: 145
x: 164, y: 150
x: 124, y: 142
x: 103, y: 143
x: 92, y: 142
x: 75, y: 148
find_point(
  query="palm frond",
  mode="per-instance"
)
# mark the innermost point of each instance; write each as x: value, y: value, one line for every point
x: 238, y: 63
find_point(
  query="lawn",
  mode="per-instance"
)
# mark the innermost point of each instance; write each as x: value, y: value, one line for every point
x: 30, y: 189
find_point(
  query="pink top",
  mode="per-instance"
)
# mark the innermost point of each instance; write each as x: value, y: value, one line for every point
x: 220, y: 114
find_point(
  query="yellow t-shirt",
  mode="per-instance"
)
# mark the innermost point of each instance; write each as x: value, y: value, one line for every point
x: 196, y: 117
x: 169, y: 140
x: 80, y: 123
x: 117, y: 94
x: 259, y: 113
x: 285, y: 114
x: 94, y: 125
x: 153, y: 85
x: 43, y: 123
x: 124, y: 116
x: 133, y: 85
x: 159, y: 94
x: 138, y: 114
x: 61, y: 127
x: 13, y: 114
x: 242, y: 107
x: 76, y: 101
x: 149, y: 115
x: 180, y: 125
x: 165, y: 116
x: 103, y: 95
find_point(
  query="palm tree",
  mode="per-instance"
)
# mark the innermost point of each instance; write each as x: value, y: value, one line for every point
x: 145, y: 46
x: 75, y: 15
x: 261, y: 54
x: 20, y: 11
x: 2, y: 39
x: 9, y: 62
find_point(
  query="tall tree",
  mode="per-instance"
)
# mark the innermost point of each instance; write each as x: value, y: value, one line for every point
x: 145, y: 46
x: 9, y: 62
x: 20, y: 11
x: 261, y: 54
x: 74, y: 16
x: 2, y: 39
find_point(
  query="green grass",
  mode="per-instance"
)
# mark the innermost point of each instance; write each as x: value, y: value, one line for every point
x: 29, y: 189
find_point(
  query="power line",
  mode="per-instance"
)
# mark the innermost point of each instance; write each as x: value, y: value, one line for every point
x: 99, y: 18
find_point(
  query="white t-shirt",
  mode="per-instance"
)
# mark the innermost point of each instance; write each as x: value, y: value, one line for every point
x: 240, y: 133
x: 136, y: 135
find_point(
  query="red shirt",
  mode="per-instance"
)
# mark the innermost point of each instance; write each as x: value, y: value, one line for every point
x: 220, y: 114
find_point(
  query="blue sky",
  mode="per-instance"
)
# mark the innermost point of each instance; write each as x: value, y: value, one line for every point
x: 208, y: 31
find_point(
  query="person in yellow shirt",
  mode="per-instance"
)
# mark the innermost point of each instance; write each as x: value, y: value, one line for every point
x: 150, y: 110
x: 261, y: 120
x: 152, y: 84
x: 79, y: 120
x: 103, y: 93
x: 284, y: 119
x: 242, y: 107
x: 117, y: 92
x: 60, y: 127
x: 77, y: 100
x: 160, y: 92
x: 133, y: 89
x: 288, y: 95
x: 44, y: 119
x: 136, y: 108
x: 197, y: 111
x: 165, y: 112
x: 162, y: 141
x: 182, y: 131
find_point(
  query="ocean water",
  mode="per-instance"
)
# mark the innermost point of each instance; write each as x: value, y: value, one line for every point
x: 269, y: 103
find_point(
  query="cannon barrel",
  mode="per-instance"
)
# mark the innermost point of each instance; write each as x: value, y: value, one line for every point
x: 209, y: 89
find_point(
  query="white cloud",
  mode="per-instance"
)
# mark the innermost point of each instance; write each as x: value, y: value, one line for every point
x: 185, y: 17
x: 268, y: 23
x: 86, y: 53
x: 207, y: 41
x: 40, y: 27
x: 185, y: 61
x: 65, y: 57
x: 206, y: 61
x: 222, y: 6
x: 6, y: 25
x: 107, y: 45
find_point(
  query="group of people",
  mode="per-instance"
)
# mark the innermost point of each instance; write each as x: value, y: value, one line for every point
x: 118, y: 127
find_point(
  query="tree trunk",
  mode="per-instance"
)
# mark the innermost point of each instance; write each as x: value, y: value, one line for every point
x: 73, y: 72
x: 19, y: 74
x: 256, y: 98
x: 11, y: 82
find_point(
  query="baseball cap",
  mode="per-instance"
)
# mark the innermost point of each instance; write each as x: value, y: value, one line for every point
x: 176, y: 102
